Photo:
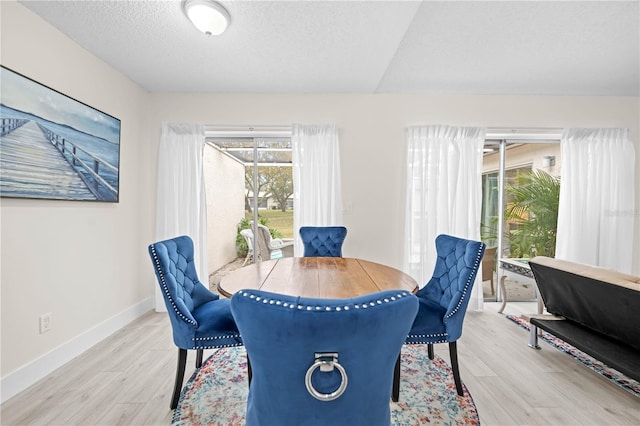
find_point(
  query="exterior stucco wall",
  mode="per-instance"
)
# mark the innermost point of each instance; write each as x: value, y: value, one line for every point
x: 224, y: 180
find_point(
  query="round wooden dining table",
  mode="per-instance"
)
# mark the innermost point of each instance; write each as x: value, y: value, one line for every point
x: 319, y: 277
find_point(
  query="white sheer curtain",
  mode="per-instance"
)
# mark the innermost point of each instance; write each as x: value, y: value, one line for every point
x: 444, y: 195
x: 181, y: 207
x: 597, y: 190
x: 317, y: 196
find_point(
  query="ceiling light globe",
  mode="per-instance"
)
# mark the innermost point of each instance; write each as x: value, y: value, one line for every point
x: 207, y: 16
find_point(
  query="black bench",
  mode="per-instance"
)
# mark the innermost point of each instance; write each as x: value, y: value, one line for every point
x: 594, y: 309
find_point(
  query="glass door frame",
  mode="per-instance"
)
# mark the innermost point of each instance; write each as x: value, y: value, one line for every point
x: 503, y: 137
x: 254, y: 133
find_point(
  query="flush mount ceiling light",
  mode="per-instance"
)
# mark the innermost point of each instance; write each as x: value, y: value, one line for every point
x: 208, y: 16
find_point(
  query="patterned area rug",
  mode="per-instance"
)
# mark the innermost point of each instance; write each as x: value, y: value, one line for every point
x: 615, y: 376
x: 217, y: 393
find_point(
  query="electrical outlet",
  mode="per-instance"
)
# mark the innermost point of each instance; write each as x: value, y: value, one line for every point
x: 45, y: 323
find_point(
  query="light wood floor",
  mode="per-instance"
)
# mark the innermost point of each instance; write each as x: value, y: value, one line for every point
x: 127, y: 379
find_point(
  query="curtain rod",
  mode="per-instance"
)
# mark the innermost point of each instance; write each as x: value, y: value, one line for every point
x: 245, y: 128
x: 531, y: 134
x: 542, y: 134
x: 248, y: 131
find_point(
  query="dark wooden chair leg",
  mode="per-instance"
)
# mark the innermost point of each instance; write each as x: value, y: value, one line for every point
x: 453, y: 354
x: 249, y: 371
x: 199, y: 353
x: 395, y: 389
x: 430, y: 350
x: 182, y: 362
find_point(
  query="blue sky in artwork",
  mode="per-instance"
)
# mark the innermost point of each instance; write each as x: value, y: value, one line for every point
x: 26, y: 95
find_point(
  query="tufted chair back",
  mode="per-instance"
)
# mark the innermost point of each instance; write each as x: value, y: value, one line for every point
x: 284, y: 337
x: 444, y: 300
x: 323, y: 241
x: 181, y: 288
x: 452, y: 280
x: 199, y: 318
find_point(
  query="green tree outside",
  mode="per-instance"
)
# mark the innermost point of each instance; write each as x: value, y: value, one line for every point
x: 533, y: 212
x: 273, y: 182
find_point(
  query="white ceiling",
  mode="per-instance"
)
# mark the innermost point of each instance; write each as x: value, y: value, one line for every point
x: 472, y: 47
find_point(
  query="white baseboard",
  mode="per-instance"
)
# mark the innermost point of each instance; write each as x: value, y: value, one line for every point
x: 20, y: 379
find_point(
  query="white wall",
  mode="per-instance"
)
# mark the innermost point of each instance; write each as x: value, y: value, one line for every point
x: 372, y: 138
x: 83, y: 262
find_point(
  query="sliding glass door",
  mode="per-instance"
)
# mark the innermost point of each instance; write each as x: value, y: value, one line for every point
x: 520, y: 185
x: 267, y: 189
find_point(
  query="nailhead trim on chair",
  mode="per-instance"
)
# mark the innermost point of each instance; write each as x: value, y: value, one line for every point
x: 466, y: 286
x: 443, y: 337
x: 165, y: 288
x: 216, y: 337
x: 325, y: 308
x: 218, y: 346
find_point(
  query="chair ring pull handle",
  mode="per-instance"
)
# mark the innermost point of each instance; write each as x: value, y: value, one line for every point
x: 326, y: 362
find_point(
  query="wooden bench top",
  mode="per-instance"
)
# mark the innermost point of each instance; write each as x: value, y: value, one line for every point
x: 601, y: 274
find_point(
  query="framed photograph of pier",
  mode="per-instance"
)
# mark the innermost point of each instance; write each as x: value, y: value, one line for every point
x: 53, y: 146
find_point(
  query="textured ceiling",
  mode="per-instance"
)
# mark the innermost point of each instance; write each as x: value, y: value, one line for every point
x: 473, y: 47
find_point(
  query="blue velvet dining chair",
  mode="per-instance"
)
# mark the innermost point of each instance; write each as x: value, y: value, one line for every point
x: 322, y: 361
x: 199, y: 318
x: 444, y: 300
x: 323, y: 241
